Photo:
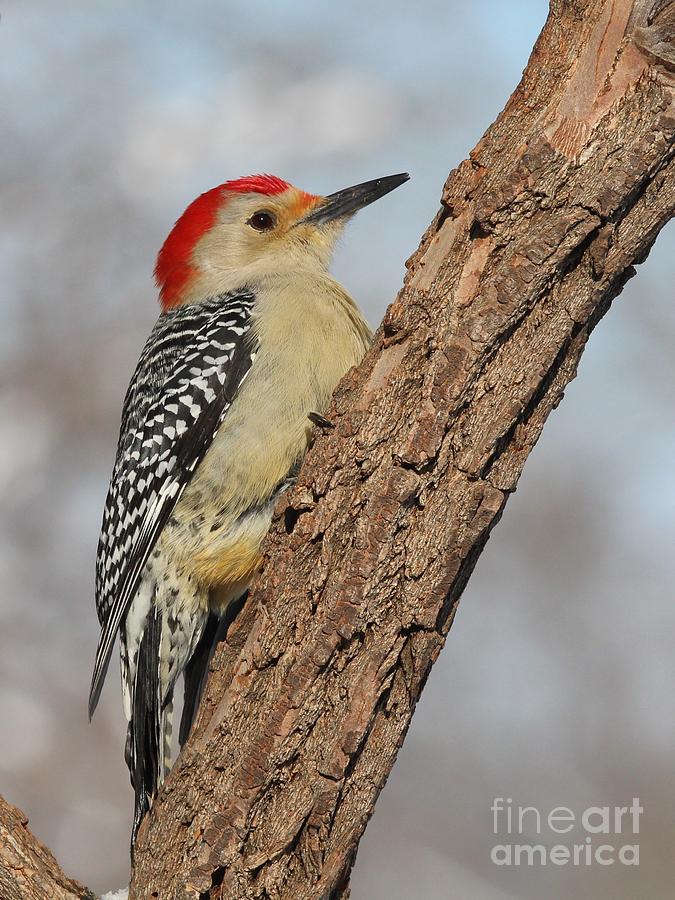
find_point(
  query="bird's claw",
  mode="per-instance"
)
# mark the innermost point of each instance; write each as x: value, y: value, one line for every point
x: 317, y: 419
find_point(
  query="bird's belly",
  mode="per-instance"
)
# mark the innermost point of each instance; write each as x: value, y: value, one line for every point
x: 230, y: 554
x: 218, y: 551
x: 219, y: 523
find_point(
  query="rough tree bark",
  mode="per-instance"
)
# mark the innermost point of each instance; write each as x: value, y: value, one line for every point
x: 28, y: 871
x: 311, y: 695
x: 311, y: 698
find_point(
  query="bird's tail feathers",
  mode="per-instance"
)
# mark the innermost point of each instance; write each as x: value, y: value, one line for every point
x: 195, y: 675
x: 145, y: 748
x: 152, y: 671
x: 197, y: 668
x: 167, y: 737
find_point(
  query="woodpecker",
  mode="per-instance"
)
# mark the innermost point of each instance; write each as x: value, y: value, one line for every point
x: 252, y: 338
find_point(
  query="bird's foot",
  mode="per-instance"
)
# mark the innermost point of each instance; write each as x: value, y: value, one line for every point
x: 322, y: 422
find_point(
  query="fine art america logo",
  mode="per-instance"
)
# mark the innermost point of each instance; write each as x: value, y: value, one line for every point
x: 604, y: 835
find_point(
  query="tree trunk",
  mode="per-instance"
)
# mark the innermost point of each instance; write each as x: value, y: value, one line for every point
x: 311, y: 697
x: 28, y: 871
x: 312, y: 693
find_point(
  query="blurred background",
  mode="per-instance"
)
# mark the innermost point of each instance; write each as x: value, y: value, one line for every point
x: 556, y: 686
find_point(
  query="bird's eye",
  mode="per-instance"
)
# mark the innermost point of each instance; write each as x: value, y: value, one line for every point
x: 262, y: 220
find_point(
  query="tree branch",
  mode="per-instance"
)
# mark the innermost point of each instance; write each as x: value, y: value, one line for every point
x: 28, y: 871
x: 312, y: 694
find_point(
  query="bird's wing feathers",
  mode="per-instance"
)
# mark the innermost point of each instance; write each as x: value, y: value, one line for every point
x: 188, y: 374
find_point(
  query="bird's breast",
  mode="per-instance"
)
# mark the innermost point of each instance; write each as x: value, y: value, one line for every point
x: 308, y: 333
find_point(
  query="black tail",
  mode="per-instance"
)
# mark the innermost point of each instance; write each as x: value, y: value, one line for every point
x: 143, y: 753
x: 198, y: 667
x: 195, y: 675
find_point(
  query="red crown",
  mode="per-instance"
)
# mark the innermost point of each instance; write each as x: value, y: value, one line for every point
x: 174, y: 267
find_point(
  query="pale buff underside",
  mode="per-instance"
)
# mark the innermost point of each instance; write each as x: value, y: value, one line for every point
x: 310, y: 333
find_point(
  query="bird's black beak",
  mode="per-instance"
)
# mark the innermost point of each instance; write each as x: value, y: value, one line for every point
x: 352, y: 199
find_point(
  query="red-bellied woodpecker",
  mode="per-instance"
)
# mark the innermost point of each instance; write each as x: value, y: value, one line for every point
x: 253, y: 337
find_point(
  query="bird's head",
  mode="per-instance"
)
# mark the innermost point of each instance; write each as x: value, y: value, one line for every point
x: 253, y: 227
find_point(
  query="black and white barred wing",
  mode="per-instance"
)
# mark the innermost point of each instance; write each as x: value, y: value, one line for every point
x: 190, y: 370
